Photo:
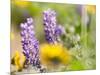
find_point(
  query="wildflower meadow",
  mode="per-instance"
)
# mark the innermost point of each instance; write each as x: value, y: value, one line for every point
x: 52, y: 37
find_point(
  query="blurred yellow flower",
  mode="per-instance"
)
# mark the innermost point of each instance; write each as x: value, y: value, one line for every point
x: 18, y: 60
x: 12, y: 36
x: 91, y: 9
x: 20, y: 3
x: 54, y: 55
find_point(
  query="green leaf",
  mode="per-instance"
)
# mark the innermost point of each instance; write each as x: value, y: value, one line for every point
x: 76, y: 65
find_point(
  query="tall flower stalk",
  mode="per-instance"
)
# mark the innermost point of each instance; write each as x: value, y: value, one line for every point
x: 29, y: 43
x: 52, y: 30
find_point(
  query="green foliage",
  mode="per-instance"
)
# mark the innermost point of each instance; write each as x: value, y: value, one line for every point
x: 76, y: 65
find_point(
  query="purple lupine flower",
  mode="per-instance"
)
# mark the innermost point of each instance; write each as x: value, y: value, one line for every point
x: 49, y: 18
x: 52, y: 30
x: 29, y: 43
x: 59, y: 30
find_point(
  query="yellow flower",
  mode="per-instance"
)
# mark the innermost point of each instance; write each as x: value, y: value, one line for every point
x: 54, y: 55
x: 91, y: 9
x: 12, y: 36
x: 18, y: 60
x: 20, y: 3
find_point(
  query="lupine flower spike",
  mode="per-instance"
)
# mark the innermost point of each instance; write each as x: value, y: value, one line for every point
x: 52, y: 30
x: 29, y: 43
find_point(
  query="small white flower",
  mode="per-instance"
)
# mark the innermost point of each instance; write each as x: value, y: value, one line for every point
x: 77, y: 37
x: 72, y: 29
